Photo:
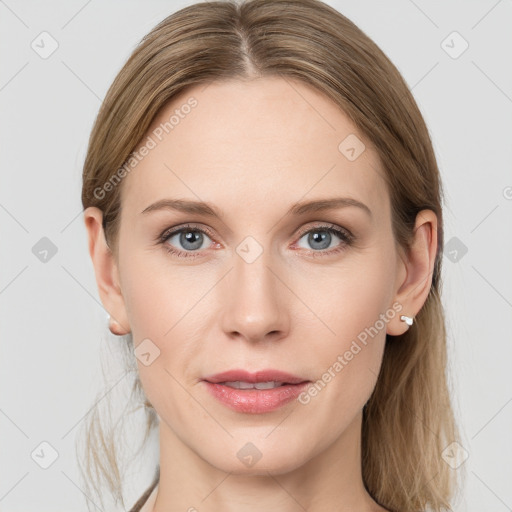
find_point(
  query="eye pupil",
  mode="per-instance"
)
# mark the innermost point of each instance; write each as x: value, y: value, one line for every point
x: 320, y: 236
x: 191, y: 237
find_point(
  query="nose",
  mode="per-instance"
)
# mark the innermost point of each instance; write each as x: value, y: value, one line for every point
x: 255, y: 305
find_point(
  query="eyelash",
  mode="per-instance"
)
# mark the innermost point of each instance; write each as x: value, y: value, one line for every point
x: 345, y: 235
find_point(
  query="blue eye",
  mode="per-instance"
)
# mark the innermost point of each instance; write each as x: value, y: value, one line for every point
x: 191, y: 239
x: 321, y: 238
x: 188, y: 241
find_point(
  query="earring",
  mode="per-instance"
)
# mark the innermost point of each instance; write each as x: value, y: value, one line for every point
x: 407, y: 319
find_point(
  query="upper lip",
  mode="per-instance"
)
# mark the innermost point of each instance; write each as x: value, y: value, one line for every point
x: 259, y: 376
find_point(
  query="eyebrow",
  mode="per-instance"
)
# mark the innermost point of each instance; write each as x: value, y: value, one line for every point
x: 301, y: 208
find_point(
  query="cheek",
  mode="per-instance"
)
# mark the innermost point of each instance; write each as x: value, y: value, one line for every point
x: 355, y: 313
x: 162, y: 317
x: 167, y: 310
x: 159, y: 297
x: 349, y: 300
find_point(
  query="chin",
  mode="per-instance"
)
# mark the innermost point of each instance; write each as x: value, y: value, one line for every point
x: 257, y: 456
x: 275, y: 464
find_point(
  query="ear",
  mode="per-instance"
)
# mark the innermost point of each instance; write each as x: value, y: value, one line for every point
x: 106, y: 270
x: 415, y: 271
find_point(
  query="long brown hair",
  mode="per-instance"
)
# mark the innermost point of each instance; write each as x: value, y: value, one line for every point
x: 408, y: 420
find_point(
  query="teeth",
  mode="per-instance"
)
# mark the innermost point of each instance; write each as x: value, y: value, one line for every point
x: 252, y: 385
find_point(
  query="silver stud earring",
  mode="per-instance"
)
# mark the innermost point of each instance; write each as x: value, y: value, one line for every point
x: 407, y: 319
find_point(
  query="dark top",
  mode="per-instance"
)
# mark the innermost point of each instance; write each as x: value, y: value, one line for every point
x: 147, y: 492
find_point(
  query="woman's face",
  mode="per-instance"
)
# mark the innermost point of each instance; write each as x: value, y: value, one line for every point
x: 264, y: 284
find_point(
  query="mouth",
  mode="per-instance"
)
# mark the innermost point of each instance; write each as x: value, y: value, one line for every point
x: 238, y: 384
x: 255, y: 393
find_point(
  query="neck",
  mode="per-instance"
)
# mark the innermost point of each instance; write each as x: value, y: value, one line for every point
x: 330, y: 480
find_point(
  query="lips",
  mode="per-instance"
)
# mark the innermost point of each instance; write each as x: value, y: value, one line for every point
x: 255, y: 393
x: 259, y: 376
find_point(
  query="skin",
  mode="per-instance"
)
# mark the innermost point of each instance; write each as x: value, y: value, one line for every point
x: 252, y: 149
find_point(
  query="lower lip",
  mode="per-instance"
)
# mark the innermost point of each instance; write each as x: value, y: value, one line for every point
x: 255, y: 401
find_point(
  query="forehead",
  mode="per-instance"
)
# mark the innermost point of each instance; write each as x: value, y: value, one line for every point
x: 251, y: 145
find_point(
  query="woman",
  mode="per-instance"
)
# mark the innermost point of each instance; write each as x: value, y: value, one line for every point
x: 263, y: 207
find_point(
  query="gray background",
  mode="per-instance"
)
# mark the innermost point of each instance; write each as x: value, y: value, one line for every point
x: 53, y: 328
